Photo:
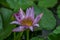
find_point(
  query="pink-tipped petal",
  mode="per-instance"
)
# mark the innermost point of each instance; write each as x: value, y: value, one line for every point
x: 30, y: 12
x: 18, y: 29
x: 15, y: 22
x: 31, y: 28
x: 38, y: 18
x: 21, y: 13
x: 37, y: 25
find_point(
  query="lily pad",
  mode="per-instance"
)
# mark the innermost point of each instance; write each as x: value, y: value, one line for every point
x: 47, y: 21
x: 47, y: 3
x: 54, y: 36
x: 16, y: 4
x: 57, y: 30
x: 58, y: 11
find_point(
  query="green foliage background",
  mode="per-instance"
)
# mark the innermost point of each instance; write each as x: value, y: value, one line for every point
x: 48, y: 21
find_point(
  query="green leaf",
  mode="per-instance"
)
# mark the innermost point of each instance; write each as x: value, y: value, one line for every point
x: 47, y: 3
x: 5, y: 33
x: 37, y: 38
x: 4, y: 3
x: 57, y: 30
x: 1, y: 25
x: 16, y: 4
x: 6, y: 14
x: 58, y: 11
x: 54, y: 36
x: 47, y: 21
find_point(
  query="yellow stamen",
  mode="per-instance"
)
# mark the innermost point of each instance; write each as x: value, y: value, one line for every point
x: 27, y: 22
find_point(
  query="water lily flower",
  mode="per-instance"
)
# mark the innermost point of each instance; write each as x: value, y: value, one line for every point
x: 26, y: 21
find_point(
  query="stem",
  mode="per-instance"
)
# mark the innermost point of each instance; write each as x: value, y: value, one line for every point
x: 14, y: 35
x: 27, y: 34
x: 19, y: 35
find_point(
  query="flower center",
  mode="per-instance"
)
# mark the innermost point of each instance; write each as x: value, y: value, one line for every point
x: 27, y: 22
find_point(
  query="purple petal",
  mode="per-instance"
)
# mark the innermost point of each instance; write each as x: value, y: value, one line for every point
x: 17, y: 16
x: 21, y: 13
x: 31, y: 28
x: 37, y: 25
x: 18, y: 29
x: 38, y: 18
x: 15, y: 22
x: 30, y: 12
